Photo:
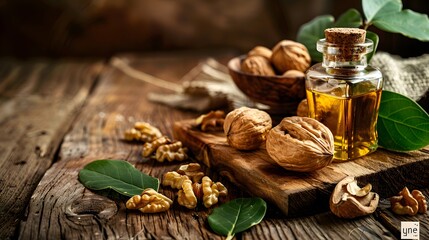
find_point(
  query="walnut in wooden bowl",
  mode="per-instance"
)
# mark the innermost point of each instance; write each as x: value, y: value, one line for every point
x: 281, y: 93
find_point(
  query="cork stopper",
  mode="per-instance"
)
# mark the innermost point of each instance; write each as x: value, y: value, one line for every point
x: 344, y: 44
x: 345, y: 36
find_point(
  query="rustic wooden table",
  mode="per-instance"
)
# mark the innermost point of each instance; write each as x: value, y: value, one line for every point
x: 56, y: 116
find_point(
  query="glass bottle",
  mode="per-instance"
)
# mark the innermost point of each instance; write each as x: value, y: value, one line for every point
x: 344, y: 92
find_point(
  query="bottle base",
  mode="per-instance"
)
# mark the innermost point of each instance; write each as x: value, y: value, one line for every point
x: 342, y: 156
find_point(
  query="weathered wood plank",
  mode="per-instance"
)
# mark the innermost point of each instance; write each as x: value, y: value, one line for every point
x: 297, y: 194
x: 321, y: 226
x: 62, y: 208
x: 38, y: 102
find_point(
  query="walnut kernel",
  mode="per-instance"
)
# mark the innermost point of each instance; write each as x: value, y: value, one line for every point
x: 212, y: 191
x: 171, y: 152
x: 142, y: 131
x: 150, y: 201
x: 151, y: 147
x: 191, y: 170
x: 407, y: 203
x: 174, y: 179
x: 212, y: 121
x: 186, y: 196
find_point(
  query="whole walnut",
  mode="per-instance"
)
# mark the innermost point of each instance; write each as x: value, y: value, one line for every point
x: 246, y: 128
x: 302, y: 110
x: 257, y: 65
x: 300, y: 144
x: 290, y: 55
x: 260, y: 51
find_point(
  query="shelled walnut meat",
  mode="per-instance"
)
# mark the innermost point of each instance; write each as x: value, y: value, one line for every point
x: 142, y: 131
x: 408, y: 203
x: 212, y: 121
x: 191, y: 191
x: 155, y: 143
x: 300, y: 144
x: 246, y: 128
x: 150, y: 201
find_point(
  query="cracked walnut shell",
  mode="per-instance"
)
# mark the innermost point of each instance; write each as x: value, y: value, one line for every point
x: 348, y: 200
x: 300, y: 144
x: 246, y: 128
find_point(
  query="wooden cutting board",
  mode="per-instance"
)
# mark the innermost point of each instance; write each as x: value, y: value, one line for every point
x: 298, y: 194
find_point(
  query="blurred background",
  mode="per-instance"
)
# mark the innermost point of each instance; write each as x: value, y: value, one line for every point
x: 102, y: 28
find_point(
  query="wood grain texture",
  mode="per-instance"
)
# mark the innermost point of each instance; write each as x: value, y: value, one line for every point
x: 298, y: 194
x: 61, y: 207
x: 38, y: 103
x: 320, y: 226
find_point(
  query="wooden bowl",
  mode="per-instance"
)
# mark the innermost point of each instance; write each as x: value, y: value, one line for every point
x: 281, y: 94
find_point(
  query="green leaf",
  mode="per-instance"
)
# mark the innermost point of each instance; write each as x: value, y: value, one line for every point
x: 237, y: 215
x: 118, y: 175
x: 402, y: 124
x: 311, y: 32
x: 407, y: 22
x: 375, y: 40
x: 374, y: 9
x: 351, y: 18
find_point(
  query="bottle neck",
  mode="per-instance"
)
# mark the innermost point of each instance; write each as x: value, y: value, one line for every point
x: 344, y: 59
x: 344, y: 66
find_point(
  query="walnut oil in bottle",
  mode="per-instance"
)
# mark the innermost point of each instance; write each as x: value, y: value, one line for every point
x: 344, y: 92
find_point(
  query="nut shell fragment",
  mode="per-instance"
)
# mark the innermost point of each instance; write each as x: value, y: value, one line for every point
x: 346, y: 205
x: 300, y: 144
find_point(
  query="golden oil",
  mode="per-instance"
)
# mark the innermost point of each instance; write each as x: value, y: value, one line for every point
x: 343, y: 92
x: 350, y: 119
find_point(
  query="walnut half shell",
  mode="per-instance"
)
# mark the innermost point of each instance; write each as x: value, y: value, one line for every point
x: 348, y: 200
x: 301, y: 144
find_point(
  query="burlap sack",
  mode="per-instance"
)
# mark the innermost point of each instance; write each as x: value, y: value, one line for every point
x: 407, y: 76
